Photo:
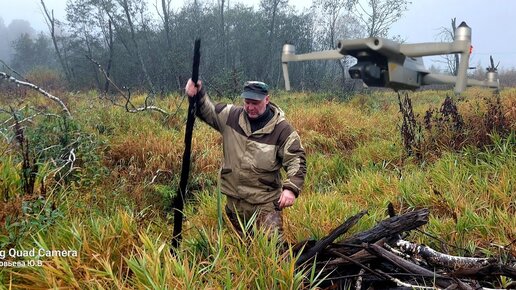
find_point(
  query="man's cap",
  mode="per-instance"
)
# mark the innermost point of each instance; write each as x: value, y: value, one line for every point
x: 255, y: 90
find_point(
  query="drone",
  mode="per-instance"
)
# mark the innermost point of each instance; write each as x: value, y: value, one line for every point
x: 383, y: 62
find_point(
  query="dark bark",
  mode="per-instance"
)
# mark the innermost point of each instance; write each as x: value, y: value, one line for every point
x: 323, y: 243
x: 390, y: 227
x: 179, y: 200
x: 377, y: 259
x: 407, y: 266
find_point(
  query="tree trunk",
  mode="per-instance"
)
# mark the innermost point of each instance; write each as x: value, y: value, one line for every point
x: 125, y: 6
x: 110, y: 59
x: 51, y: 22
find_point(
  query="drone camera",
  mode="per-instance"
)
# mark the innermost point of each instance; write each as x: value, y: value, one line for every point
x: 368, y: 71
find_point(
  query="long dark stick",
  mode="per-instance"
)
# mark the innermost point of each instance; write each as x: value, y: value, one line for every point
x: 179, y: 200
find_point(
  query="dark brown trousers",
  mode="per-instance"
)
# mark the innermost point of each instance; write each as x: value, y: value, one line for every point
x: 268, y: 216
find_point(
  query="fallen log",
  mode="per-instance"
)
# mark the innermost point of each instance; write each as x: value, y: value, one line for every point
x: 378, y: 259
x: 389, y: 228
x: 323, y: 243
x: 409, y: 267
x: 443, y: 260
x: 363, y: 255
x: 495, y: 269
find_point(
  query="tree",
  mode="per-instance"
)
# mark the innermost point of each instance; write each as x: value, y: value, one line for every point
x: 129, y: 8
x: 4, y: 45
x: 379, y: 15
x: 84, y: 22
x: 23, y: 58
x: 52, y: 23
x: 450, y: 60
x: 271, y: 8
x: 29, y: 53
x: 10, y: 33
x: 334, y: 24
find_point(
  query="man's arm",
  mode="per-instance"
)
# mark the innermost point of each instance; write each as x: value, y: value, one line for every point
x: 294, y: 162
x: 206, y: 110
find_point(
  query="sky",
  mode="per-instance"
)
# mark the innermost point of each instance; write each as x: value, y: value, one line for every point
x: 493, y: 30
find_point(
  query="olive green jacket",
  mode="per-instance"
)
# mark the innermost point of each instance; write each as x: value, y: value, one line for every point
x: 252, y: 161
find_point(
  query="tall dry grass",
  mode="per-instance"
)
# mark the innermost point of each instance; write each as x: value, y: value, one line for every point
x: 119, y: 220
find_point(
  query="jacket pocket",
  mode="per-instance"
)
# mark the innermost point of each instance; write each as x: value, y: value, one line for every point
x: 264, y: 158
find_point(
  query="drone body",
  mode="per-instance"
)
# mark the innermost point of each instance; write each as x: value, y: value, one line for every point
x: 385, y: 63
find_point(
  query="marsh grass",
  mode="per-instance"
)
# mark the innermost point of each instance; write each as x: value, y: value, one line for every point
x: 117, y: 214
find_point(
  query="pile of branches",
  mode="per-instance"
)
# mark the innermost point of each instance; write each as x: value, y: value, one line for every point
x: 381, y: 258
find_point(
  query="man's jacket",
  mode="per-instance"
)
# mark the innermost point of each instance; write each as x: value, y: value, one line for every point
x: 252, y: 160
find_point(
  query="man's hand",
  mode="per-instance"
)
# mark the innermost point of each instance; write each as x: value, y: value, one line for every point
x: 286, y: 199
x: 191, y: 90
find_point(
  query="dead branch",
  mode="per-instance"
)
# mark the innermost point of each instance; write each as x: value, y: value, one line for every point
x: 13, y: 71
x: 390, y: 227
x: 441, y: 259
x: 6, y: 76
x: 330, y: 238
x: 362, y: 255
x: 408, y: 266
x: 127, y: 97
x: 378, y: 259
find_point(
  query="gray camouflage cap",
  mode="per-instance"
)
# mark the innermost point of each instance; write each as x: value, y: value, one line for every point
x: 255, y: 90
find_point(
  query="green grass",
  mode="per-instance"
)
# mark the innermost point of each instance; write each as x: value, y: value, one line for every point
x: 114, y: 206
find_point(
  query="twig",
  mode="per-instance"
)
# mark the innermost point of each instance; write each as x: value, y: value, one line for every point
x: 376, y: 273
x: 404, y: 284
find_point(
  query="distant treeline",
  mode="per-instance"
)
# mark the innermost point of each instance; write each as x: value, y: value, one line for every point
x: 150, y: 48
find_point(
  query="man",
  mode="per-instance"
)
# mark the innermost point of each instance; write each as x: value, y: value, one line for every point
x: 257, y: 142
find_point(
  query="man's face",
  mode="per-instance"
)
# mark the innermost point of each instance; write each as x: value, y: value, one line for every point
x: 255, y: 108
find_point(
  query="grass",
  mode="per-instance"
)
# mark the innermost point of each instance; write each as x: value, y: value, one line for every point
x: 114, y: 206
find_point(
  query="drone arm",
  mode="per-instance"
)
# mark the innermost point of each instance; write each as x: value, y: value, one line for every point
x: 438, y: 79
x: 460, y: 46
x: 318, y: 55
x: 289, y: 54
x: 434, y: 48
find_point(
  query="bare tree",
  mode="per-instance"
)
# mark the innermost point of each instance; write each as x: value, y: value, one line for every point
x: 450, y: 60
x: 379, y: 15
x: 271, y: 7
x: 222, y: 38
x: 165, y: 7
x: 51, y: 23
x: 109, y: 41
x: 330, y: 12
x: 334, y: 24
x: 126, y: 5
